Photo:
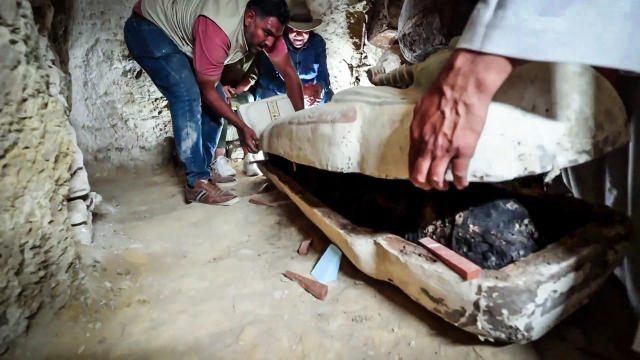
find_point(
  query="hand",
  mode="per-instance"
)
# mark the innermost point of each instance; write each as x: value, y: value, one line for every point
x: 312, y: 93
x: 448, y: 120
x: 228, y: 92
x: 249, y: 140
x: 243, y: 86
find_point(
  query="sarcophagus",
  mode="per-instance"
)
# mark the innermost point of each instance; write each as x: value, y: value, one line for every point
x: 545, y: 117
x: 519, y: 302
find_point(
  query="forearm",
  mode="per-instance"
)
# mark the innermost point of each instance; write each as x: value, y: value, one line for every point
x: 252, y: 73
x: 249, y: 78
x: 217, y: 104
x: 294, y: 92
x: 284, y: 66
x: 327, y: 92
x: 328, y: 95
x: 244, y: 85
x: 323, y: 76
x: 323, y: 72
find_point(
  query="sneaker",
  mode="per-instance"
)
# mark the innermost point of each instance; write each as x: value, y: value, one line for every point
x: 207, y: 193
x: 225, y: 182
x: 222, y: 166
x: 251, y: 169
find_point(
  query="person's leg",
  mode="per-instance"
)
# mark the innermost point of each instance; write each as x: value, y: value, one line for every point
x: 211, y: 129
x: 632, y: 262
x: 222, y: 141
x: 222, y: 172
x: 211, y: 133
x: 601, y: 181
x: 248, y: 165
x: 170, y: 70
x: 614, y: 180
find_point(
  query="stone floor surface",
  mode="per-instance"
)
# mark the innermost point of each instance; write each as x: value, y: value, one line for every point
x: 167, y: 280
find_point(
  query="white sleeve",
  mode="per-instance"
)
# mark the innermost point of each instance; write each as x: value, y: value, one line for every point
x: 594, y: 32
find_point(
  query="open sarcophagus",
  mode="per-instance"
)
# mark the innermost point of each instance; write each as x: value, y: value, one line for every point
x: 344, y: 164
x: 516, y: 303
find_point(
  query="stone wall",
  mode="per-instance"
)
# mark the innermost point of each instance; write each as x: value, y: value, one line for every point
x: 121, y: 119
x: 37, y: 254
x: 348, y: 52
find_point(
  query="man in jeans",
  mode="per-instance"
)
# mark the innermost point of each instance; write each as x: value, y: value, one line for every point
x: 183, y: 46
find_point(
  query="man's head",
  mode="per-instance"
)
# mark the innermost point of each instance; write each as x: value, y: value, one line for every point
x: 264, y: 21
x: 298, y: 37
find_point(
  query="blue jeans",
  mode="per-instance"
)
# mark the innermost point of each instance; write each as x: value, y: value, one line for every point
x: 196, y: 128
x: 264, y: 93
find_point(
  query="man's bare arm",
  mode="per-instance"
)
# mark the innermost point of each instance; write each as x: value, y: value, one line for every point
x: 211, y: 97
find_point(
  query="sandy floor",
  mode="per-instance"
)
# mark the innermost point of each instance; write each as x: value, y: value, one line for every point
x: 176, y: 281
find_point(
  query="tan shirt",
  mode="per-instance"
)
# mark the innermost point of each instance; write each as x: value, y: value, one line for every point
x: 177, y: 17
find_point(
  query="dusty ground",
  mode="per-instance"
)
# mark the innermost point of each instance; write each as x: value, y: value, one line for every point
x: 176, y: 281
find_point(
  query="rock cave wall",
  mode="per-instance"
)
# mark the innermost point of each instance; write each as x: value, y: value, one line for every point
x: 37, y: 254
x: 121, y: 119
x: 349, y: 54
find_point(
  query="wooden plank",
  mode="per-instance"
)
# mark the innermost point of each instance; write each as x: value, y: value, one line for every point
x: 313, y: 287
x: 273, y: 199
x: 461, y: 265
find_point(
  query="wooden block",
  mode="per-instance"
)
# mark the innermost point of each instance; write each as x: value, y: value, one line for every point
x: 461, y: 265
x: 313, y: 287
x: 273, y: 199
x: 303, y: 249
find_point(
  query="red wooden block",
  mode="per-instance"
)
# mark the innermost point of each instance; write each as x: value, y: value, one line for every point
x: 303, y: 249
x: 311, y: 286
x: 461, y: 265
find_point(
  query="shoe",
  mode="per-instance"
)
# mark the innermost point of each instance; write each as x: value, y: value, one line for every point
x: 225, y: 182
x: 250, y: 169
x: 222, y: 174
x: 222, y: 166
x: 207, y: 193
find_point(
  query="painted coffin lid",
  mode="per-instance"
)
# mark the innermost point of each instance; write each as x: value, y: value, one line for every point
x: 544, y: 117
x: 259, y: 114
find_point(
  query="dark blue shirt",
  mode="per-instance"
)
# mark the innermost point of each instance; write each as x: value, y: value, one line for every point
x: 310, y: 62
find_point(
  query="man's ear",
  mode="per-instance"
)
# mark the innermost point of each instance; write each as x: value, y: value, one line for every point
x: 249, y: 16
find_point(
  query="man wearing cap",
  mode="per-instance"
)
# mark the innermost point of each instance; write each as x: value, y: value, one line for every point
x: 183, y: 46
x: 308, y: 53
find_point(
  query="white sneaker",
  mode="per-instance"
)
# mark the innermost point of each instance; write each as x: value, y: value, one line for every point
x: 222, y: 166
x: 249, y: 168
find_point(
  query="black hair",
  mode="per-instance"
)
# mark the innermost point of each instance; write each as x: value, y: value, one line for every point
x: 270, y: 8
